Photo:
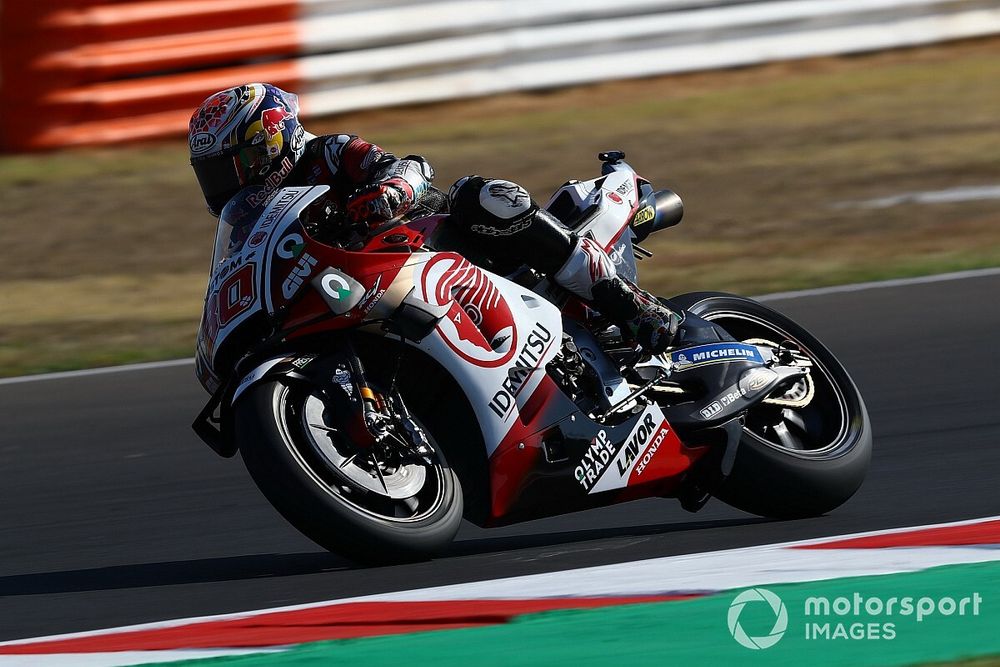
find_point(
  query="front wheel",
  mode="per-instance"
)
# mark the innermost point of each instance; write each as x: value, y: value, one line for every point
x: 796, y: 461
x: 370, y: 504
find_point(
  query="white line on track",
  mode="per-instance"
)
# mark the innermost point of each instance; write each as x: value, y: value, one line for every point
x: 776, y: 296
x: 880, y: 284
x: 949, y: 196
x: 147, y: 366
x: 516, y: 587
x: 124, y: 658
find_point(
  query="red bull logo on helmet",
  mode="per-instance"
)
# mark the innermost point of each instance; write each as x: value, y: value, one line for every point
x: 273, y: 120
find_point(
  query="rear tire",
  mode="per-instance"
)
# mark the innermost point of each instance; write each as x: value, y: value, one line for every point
x: 326, y: 508
x: 772, y: 480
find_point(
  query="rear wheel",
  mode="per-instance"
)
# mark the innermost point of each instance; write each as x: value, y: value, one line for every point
x: 793, y: 460
x: 377, y: 503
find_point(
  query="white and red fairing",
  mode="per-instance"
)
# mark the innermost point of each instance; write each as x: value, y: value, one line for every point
x: 238, y: 285
x: 614, y: 202
x: 495, y: 340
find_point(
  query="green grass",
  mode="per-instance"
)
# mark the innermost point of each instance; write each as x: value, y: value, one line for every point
x: 106, y: 251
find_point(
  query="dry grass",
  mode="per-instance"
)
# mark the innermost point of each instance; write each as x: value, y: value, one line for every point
x: 106, y: 251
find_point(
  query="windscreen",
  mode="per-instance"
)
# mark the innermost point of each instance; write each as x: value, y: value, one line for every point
x: 236, y: 222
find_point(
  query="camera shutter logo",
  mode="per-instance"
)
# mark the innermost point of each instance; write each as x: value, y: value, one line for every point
x: 780, y: 618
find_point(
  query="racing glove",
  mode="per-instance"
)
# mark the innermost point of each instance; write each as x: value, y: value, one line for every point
x: 380, y: 202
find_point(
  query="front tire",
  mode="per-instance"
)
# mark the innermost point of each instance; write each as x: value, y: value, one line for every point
x: 309, y: 488
x: 824, y: 451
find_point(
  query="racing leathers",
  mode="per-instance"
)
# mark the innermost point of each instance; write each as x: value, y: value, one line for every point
x: 496, y: 222
x: 371, y: 185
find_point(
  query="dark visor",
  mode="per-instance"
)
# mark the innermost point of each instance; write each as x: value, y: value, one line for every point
x: 219, y: 180
x: 222, y: 175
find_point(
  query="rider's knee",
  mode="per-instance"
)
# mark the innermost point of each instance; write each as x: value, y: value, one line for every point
x: 491, y: 206
x: 500, y: 218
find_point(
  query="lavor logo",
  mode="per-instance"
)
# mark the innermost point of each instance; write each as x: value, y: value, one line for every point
x: 635, y: 445
x: 636, y: 449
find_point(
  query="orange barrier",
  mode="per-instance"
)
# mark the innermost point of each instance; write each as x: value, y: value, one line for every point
x: 80, y: 72
x: 120, y: 21
x: 97, y: 71
x: 145, y: 108
x: 107, y: 60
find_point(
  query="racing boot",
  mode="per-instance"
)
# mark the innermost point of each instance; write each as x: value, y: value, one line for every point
x: 501, y: 227
x: 590, y: 274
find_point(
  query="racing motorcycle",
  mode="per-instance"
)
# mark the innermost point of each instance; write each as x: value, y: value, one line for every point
x: 381, y: 387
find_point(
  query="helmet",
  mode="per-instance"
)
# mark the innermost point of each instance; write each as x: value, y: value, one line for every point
x: 248, y: 135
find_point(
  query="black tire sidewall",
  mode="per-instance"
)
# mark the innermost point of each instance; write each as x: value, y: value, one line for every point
x: 777, y: 483
x: 319, y: 515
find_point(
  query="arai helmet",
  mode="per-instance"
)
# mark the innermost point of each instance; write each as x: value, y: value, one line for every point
x: 248, y: 135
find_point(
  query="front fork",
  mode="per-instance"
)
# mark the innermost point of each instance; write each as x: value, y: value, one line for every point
x: 380, y: 412
x: 373, y: 407
x: 372, y: 417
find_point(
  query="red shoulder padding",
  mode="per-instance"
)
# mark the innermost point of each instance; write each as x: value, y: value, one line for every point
x: 358, y: 157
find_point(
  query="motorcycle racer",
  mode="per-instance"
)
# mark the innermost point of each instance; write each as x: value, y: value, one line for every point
x: 250, y: 135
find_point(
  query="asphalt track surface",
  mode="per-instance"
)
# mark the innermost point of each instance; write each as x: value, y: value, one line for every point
x: 112, y: 512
